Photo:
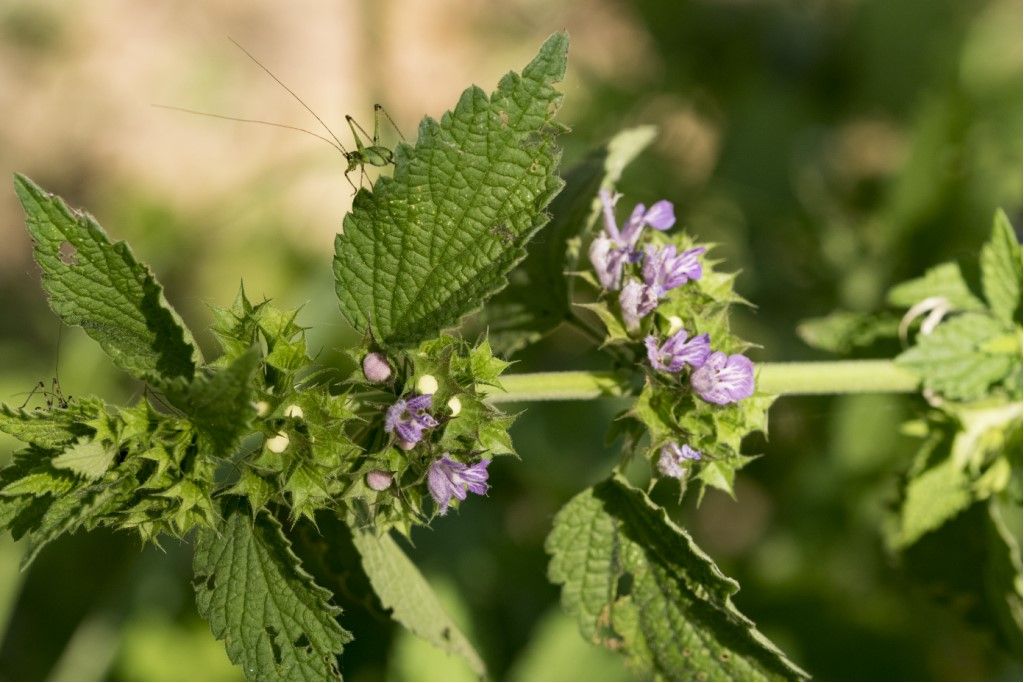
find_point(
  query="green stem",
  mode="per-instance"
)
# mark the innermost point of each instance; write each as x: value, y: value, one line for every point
x: 787, y: 379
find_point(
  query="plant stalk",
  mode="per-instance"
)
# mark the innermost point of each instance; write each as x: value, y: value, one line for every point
x: 785, y: 379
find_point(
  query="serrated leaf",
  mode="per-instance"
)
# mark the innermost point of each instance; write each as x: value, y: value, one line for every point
x: 276, y: 623
x: 944, y: 280
x: 537, y: 299
x: 50, y: 429
x: 89, y: 459
x: 953, y: 360
x: 675, y: 618
x: 434, y: 241
x: 403, y: 590
x: 67, y: 514
x: 101, y: 287
x: 933, y: 498
x: 843, y: 331
x: 1001, y: 269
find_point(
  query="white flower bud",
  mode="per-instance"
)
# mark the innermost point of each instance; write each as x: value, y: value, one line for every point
x: 293, y: 411
x: 675, y: 323
x: 378, y: 480
x: 376, y: 368
x: 455, y: 405
x: 407, y: 445
x: 427, y: 384
x: 262, y: 408
x: 278, y: 443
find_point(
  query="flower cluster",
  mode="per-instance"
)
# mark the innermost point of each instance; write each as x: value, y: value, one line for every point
x: 673, y: 459
x: 715, y: 377
x: 448, y: 478
x: 663, y: 269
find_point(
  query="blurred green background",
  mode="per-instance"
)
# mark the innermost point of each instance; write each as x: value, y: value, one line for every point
x: 832, y: 148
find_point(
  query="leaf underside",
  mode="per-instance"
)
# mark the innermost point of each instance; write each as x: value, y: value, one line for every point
x: 638, y: 584
x: 434, y: 241
x: 99, y: 286
x: 276, y: 623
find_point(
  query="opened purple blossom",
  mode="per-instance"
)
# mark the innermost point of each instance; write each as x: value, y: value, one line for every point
x: 677, y: 351
x: 448, y: 478
x: 665, y: 268
x: 407, y: 419
x: 636, y: 300
x: 613, y: 248
x: 724, y: 379
x: 673, y: 458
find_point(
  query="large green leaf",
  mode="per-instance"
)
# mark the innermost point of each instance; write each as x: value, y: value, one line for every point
x: 434, y: 241
x: 101, y: 287
x: 1001, y: 269
x: 402, y: 589
x: 276, y: 623
x: 537, y: 298
x: 638, y: 583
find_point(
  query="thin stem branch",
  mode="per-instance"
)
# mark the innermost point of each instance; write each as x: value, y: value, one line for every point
x: 787, y: 379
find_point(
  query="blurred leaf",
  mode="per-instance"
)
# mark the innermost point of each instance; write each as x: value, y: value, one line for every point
x: 556, y: 652
x: 276, y: 623
x: 953, y: 360
x: 932, y: 498
x: 1001, y: 269
x: 430, y: 244
x: 944, y: 281
x: 101, y: 287
x: 403, y: 590
x: 537, y: 298
x: 843, y: 331
x: 637, y: 583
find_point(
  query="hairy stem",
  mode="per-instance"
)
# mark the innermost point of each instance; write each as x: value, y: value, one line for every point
x: 788, y: 379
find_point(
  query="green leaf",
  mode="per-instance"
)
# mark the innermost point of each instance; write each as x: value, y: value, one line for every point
x: 637, y: 583
x: 402, y: 589
x: 50, y: 429
x: 101, y: 287
x: 843, y: 331
x: 953, y: 360
x: 933, y: 498
x: 944, y: 281
x: 89, y: 459
x: 276, y: 623
x: 537, y: 299
x: 67, y: 514
x: 430, y: 244
x: 1001, y: 269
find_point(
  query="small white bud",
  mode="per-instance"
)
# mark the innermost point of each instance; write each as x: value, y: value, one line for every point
x: 675, y: 323
x: 376, y: 368
x: 293, y: 411
x: 427, y: 384
x: 407, y: 445
x: 378, y: 480
x: 262, y: 408
x: 278, y: 443
x: 455, y: 405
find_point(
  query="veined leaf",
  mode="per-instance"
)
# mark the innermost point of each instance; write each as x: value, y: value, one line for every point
x: 944, y: 280
x: 402, y: 589
x: 89, y: 459
x: 955, y: 361
x: 637, y: 583
x: 276, y: 623
x: 50, y: 429
x: 101, y: 287
x: 1001, y: 269
x: 537, y: 298
x: 434, y: 241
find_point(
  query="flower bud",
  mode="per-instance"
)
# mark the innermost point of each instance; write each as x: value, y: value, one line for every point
x: 376, y: 368
x: 277, y: 443
x: 455, y: 405
x: 262, y: 408
x: 293, y: 411
x: 427, y: 384
x: 675, y: 323
x: 378, y: 480
x: 407, y: 445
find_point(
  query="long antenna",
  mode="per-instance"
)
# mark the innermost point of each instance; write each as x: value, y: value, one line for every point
x: 290, y: 91
x: 330, y: 142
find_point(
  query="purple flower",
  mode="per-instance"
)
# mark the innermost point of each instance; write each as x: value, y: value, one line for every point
x: 673, y: 458
x: 636, y: 300
x: 613, y: 248
x: 447, y: 478
x: 678, y: 351
x: 666, y: 269
x: 724, y: 379
x: 407, y: 418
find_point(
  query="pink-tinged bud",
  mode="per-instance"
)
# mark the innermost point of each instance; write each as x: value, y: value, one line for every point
x: 378, y: 480
x: 407, y: 445
x: 376, y: 368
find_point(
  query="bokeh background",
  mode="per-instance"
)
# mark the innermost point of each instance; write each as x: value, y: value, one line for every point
x: 832, y: 148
